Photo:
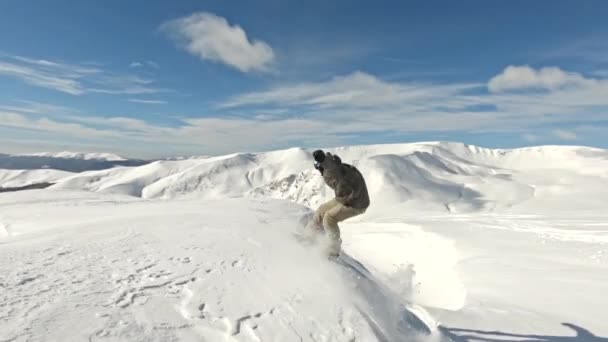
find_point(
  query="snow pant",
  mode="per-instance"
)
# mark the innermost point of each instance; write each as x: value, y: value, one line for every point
x: 327, y: 217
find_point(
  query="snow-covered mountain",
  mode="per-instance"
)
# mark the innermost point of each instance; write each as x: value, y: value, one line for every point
x: 435, y: 175
x: 461, y: 244
x: 74, y: 155
x: 21, y: 178
x: 65, y: 161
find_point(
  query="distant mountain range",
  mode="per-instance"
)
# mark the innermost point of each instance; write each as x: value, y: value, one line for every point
x: 431, y: 176
x: 65, y: 161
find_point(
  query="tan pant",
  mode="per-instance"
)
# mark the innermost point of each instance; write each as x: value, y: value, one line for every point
x: 327, y: 217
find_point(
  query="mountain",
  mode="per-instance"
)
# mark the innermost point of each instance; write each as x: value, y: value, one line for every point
x: 461, y: 243
x: 65, y: 161
x: 432, y: 176
x: 75, y: 155
x: 24, y: 178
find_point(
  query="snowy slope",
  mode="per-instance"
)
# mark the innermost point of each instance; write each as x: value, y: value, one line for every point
x: 466, y: 242
x: 110, y: 268
x: 430, y: 176
x: 90, y: 266
x: 19, y: 178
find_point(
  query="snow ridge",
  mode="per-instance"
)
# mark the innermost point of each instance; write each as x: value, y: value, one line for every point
x: 75, y: 155
x: 434, y: 176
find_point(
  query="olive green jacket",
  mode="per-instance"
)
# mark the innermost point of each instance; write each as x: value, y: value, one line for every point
x: 346, y: 181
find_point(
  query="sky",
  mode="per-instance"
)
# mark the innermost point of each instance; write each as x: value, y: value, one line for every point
x: 157, y: 79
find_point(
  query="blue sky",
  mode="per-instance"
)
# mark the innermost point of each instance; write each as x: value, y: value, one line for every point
x: 152, y: 78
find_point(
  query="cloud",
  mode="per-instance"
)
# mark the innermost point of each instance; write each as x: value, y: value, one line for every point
x: 355, y: 90
x: 564, y: 135
x: 42, y: 78
x: 74, y: 79
x: 525, y: 77
x: 123, y: 84
x: 211, y: 37
x: 19, y: 121
x: 335, y: 111
x: 150, y: 64
x: 328, y: 111
x: 147, y: 101
x: 592, y: 49
x: 33, y: 107
x: 195, y: 136
x: 360, y: 103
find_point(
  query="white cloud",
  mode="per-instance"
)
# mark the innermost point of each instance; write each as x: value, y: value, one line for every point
x: 564, y: 135
x: 330, y: 112
x: 73, y: 79
x: 32, y: 107
x: 360, y: 103
x: 123, y: 84
x: 15, y: 120
x: 211, y: 37
x: 150, y: 64
x: 147, y: 101
x: 525, y: 77
x: 42, y: 78
x: 357, y: 90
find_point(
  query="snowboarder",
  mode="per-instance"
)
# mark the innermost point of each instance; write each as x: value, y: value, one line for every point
x: 351, y: 198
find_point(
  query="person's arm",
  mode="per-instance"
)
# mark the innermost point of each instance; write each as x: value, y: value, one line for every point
x: 345, y: 193
x: 319, y: 157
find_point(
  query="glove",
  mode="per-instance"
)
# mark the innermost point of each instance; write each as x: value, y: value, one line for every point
x: 318, y: 167
x: 319, y: 156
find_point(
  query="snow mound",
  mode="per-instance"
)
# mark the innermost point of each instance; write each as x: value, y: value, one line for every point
x: 435, y: 176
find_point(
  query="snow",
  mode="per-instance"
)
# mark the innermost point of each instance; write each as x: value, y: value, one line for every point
x: 424, y: 176
x: 19, y: 178
x: 70, y: 162
x: 76, y: 155
x: 461, y: 243
x: 108, y: 267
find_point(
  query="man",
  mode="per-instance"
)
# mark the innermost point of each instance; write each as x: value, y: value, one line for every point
x: 351, y: 198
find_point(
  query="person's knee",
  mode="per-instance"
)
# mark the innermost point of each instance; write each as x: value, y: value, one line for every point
x: 329, y: 221
x: 318, y: 218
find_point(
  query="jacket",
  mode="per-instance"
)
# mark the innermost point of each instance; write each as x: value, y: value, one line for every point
x: 346, y: 181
